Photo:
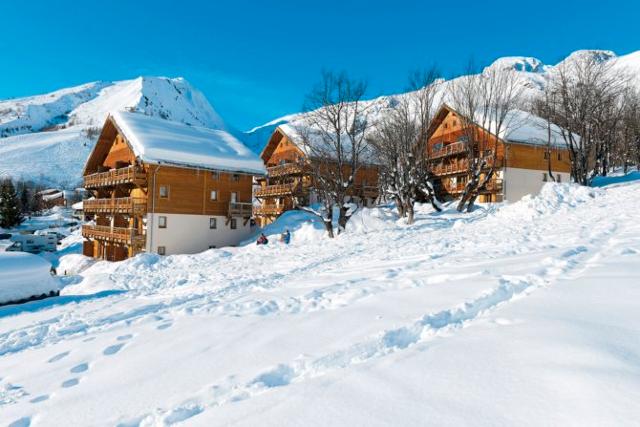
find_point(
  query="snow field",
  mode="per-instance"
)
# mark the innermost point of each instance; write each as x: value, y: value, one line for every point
x: 457, y: 319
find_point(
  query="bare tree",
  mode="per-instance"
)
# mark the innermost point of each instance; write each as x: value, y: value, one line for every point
x: 483, y: 102
x: 585, y: 102
x: 543, y: 106
x: 400, y: 143
x: 627, y: 150
x: 333, y: 132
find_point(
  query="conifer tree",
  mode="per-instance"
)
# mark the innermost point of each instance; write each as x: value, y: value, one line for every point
x: 10, y: 215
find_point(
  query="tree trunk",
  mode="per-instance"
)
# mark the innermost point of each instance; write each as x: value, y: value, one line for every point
x: 328, y: 222
x: 342, y: 219
x: 400, y: 206
x: 410, y: 213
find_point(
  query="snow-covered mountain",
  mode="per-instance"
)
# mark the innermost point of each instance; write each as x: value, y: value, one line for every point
x: 48, y: 137
x: 534, y: 75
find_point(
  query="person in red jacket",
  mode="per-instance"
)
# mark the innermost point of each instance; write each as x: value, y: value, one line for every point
x: 262, y: 240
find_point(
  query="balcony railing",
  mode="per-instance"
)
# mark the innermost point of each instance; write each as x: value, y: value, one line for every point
x: 285, y: 169
x: 454, y: 188
x: 277, y: 190
x: 127, y: 205
x: 269, y: 210
x: 128, y: 175
x: 129, y: 236
x: 451, y: 168
x: 365, y: 190
x: 240, y: 209
x: 448, y: 150
x: 494, y: 185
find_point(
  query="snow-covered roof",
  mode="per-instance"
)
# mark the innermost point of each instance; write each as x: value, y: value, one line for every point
x: 522, y: 127
x: 527, y: 128
x: 159, y: 141
x: 48, y: 191
x: 77, y: 206
x: 310, y: 141
x: 53, y: 196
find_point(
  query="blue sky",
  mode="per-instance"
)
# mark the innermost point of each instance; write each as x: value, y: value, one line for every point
x: 256, y: 60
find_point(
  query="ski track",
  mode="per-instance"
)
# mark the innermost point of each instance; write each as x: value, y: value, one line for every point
x: 403, y: 263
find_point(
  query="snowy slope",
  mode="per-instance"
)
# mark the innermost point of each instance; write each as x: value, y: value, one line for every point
x: 533, y: 73
x: 48, y: 137
x: 520, y: 314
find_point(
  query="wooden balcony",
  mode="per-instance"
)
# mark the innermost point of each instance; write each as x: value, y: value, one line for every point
x: 129, y: 175
x: 127, y: 236
x: 494, y: 185
x: 453, y: 188
x: 278, y: 190
x: 451, y: 169
x: 240, y: 209
x: 449, y: 150
x: 286, y: 169
x: 365, y: 191
x: 121, y: 205
x: 269, y: 210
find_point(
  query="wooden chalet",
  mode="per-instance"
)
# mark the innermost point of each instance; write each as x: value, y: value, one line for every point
x: 165, y: 187
x: 522, y: 162
x: 288, y: 182
x: 52, y: 197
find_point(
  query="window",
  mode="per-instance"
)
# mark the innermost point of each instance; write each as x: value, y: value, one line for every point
x: 234, y: 197
x: 213, y: 224
x: 559, y: 156
x: 544, y: 177
x: 212, y: 246
x: 215, y: 175
x: 546, y: 155
x: 559, y: 178
x: 235, y: 177
x: 455, y: 123
x: 446, y: 125
x: 234, y: 223
x: 162, y: 222
x: 164, y: 192
x: 214, y: 195
x: 162, y: 250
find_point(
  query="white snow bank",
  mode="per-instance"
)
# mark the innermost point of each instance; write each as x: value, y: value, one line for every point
x: 24, y: 275
x: 74, y: 264
x: 161, y: 141
x: 553, y: 197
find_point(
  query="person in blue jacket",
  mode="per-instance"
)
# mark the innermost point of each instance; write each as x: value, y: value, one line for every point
x: 285, y: 237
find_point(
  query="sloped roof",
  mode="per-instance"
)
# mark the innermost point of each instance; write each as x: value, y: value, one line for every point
x: 305, y: 136
x: 520, y: 127
x: 158, y: 141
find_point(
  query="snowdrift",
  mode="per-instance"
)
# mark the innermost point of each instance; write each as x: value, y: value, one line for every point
x: 24, y: 276
x: 153, y: 273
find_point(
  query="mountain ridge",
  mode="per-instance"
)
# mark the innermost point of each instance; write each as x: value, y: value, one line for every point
x: 47, y: 138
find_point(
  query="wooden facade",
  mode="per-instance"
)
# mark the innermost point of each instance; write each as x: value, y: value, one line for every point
x: 288, y: 181
x: 126, y: 191
x: 448, y: 154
